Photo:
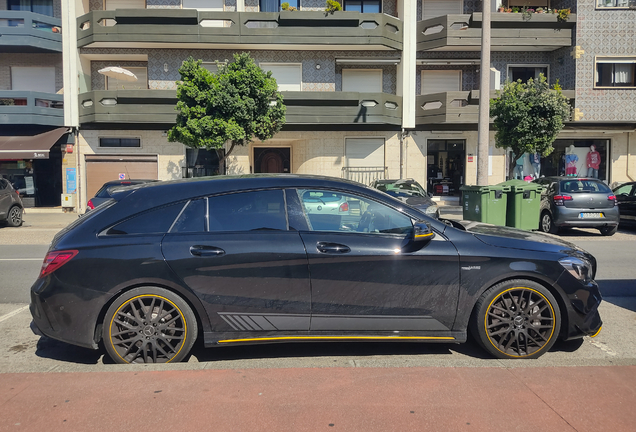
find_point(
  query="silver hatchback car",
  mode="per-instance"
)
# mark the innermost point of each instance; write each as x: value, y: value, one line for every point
x: 577, y: 202
x: 10, y: 204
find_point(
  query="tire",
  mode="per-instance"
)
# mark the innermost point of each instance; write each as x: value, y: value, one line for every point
x: 149, y: 325
x: 608, y: 230
x: 14, y: 216
x: 546, y: 224
x: 516, y: 319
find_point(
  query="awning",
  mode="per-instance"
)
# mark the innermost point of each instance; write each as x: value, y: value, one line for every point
x: 29, y: 147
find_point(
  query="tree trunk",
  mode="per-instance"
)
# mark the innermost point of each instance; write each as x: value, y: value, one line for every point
x: 223, y: 156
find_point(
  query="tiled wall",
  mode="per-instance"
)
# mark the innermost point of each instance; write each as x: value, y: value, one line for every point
x: 327, y: 78
x: 24, y: 60
x: 603, y: 33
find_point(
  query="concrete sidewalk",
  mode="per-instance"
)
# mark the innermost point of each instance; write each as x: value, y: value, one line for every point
x: 348, y: 399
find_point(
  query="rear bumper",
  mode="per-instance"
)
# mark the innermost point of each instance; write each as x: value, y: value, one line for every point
x: 570, y: 217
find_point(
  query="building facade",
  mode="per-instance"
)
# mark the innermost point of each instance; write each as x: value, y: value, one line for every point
x: 381, y: 89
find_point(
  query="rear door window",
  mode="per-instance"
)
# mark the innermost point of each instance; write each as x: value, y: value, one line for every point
x: 247, y: 211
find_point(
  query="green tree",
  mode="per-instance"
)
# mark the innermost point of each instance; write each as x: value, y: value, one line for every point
x: 237, y: 104
x: 528, y: 117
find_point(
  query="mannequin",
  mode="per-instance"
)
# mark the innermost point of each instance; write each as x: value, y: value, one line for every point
x: 593, y: 162
x: 535, y: 160
x: 518, y: 171
x: 570, y: 161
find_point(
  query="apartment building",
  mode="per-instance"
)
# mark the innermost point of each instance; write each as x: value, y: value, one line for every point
x: 33, y: 139
x: 381, y: 89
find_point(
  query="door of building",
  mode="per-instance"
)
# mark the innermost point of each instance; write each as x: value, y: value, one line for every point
x: 272, y: 160
x: 103, y: 168
x: 446, y: 166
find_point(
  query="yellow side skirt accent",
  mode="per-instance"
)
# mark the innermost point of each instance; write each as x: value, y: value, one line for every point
x: 338, y: 337
x: 599, y: 330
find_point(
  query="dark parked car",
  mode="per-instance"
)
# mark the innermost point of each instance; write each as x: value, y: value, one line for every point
x: 577, y: 202
x: 410, y: 192
x: 103, y: 194
x: 239, y: 260
x: 10, y: 205
x: 626, y: 198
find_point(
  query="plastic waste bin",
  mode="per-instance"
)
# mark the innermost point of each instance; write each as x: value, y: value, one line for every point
x: 485, y: 203
x: 524, y: 204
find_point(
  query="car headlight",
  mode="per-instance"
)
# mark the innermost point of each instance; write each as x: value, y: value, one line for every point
x: 431, y: 210
x: 578, y: 267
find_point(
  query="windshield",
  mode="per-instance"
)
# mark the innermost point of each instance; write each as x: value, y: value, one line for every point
x: 403, y: 187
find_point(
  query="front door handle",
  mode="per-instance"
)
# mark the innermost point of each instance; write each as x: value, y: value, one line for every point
x: 332, y: 248
x: 206, y: 251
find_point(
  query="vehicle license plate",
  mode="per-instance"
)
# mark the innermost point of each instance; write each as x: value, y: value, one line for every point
x: 591, y: 215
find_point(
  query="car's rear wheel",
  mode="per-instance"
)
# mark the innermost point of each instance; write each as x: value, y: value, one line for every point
x: 608, y: 230
x: 14, y: 217
x: 547, y: 223
x: 516, y: 319
x: 149, y: 325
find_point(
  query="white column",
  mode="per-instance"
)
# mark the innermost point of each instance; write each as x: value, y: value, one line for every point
x: 70, y: 60
x: 407, y: 10
x: 240, y: 5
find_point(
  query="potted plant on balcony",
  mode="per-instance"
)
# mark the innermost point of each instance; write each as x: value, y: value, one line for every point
x: 332, y: 6
x: 539, y: 10
x: 501, y: 8
x: 286, y: 7
x: 563, y: 15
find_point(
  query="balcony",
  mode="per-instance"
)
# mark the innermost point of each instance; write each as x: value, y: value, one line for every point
x: 157, y: 107
x: 31, y: 108
x: 509, y: 32
x: 22, y: 31
x: 173, y: 28
x: 456, y: 108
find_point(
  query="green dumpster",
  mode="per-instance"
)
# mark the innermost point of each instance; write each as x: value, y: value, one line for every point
x: 524, y: 204
x: 485, y: 203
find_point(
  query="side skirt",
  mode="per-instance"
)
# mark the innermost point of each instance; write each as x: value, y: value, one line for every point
x: 213, y: 339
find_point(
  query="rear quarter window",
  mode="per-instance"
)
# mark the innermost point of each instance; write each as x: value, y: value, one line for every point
x: 155, y: 221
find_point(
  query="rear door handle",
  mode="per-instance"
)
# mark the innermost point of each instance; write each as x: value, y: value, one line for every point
x: 332, y: 248
x: 206, y: 251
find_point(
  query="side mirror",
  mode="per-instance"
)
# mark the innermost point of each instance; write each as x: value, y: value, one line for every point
x: 422, y: 231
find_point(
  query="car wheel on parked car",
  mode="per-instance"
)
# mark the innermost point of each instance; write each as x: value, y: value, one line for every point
x: 547, y: 223
x: 516, y: 319
x: 149, y: 325
x: 608, y: 230
x: 14, y: 218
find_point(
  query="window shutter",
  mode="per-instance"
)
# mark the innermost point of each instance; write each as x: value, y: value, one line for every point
x: 436, y: 8
x: 288, y: 76
x: 362, y: 80
x: 439, y: 81
x: 125, y: 4
x: 364, y: 152
x: 41, y: 79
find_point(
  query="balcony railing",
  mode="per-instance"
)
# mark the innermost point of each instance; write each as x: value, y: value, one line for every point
x: 31, y: 108
x: 508, y: 31
x: 364, y: 175
x: 29, y: 31
x: 170, y: 27
x: 158, y: 107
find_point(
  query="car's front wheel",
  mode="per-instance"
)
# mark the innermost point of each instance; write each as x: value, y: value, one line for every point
x: 516, y: 319
x: 547, y: 223
x: 14, y: 217
x: 149, y: 325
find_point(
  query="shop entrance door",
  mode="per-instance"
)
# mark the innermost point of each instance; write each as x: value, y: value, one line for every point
x: 272, y: 160
x: 446, y: 166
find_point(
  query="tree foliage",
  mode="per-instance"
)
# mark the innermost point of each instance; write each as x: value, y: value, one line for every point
x: 529, y: 116
x: 237, y: 104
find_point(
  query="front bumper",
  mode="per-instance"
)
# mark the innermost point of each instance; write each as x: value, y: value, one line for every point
x: 583, y: 318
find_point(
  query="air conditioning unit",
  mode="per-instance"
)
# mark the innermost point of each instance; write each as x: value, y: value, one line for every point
x: 68, y: 200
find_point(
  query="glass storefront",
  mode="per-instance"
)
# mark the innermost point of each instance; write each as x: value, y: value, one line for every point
x: 446, y: 168
x: 576, y: 157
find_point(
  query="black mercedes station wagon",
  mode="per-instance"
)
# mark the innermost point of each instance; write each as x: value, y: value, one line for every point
x: 257, y: 259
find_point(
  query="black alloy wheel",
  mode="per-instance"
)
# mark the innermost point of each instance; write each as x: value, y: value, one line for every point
x: 14, y: 217
x: 516, y: 319
x: 608, y: 230
x: 547, y: 224
x: 149, y: 325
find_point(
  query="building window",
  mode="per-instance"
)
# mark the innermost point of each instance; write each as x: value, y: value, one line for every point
x: 525, y: 72
x: 601, y: 4
x: 119, y: 84
x: 367, y: 6
x: 615, y: 72
x: 44, y: 7
x: 120, y: 142
x: 289, y: 76
x: 274, y: 5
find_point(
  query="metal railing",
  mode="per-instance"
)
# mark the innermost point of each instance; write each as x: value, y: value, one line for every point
x: 364, y: 175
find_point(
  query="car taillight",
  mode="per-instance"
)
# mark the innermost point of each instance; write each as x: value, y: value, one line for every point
x: 612, y: 198
x: 558, y: 199
x: 344, y: 207
x: 90, y: 205
x: 55, y: 260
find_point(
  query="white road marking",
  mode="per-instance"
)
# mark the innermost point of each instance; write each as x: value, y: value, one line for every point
x: 15, y: 312
x: 20, y: 259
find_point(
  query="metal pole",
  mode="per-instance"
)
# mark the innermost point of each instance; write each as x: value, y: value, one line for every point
x: 483, y: 135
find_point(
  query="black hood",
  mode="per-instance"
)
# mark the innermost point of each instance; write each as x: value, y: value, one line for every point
x: 514, y: 238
